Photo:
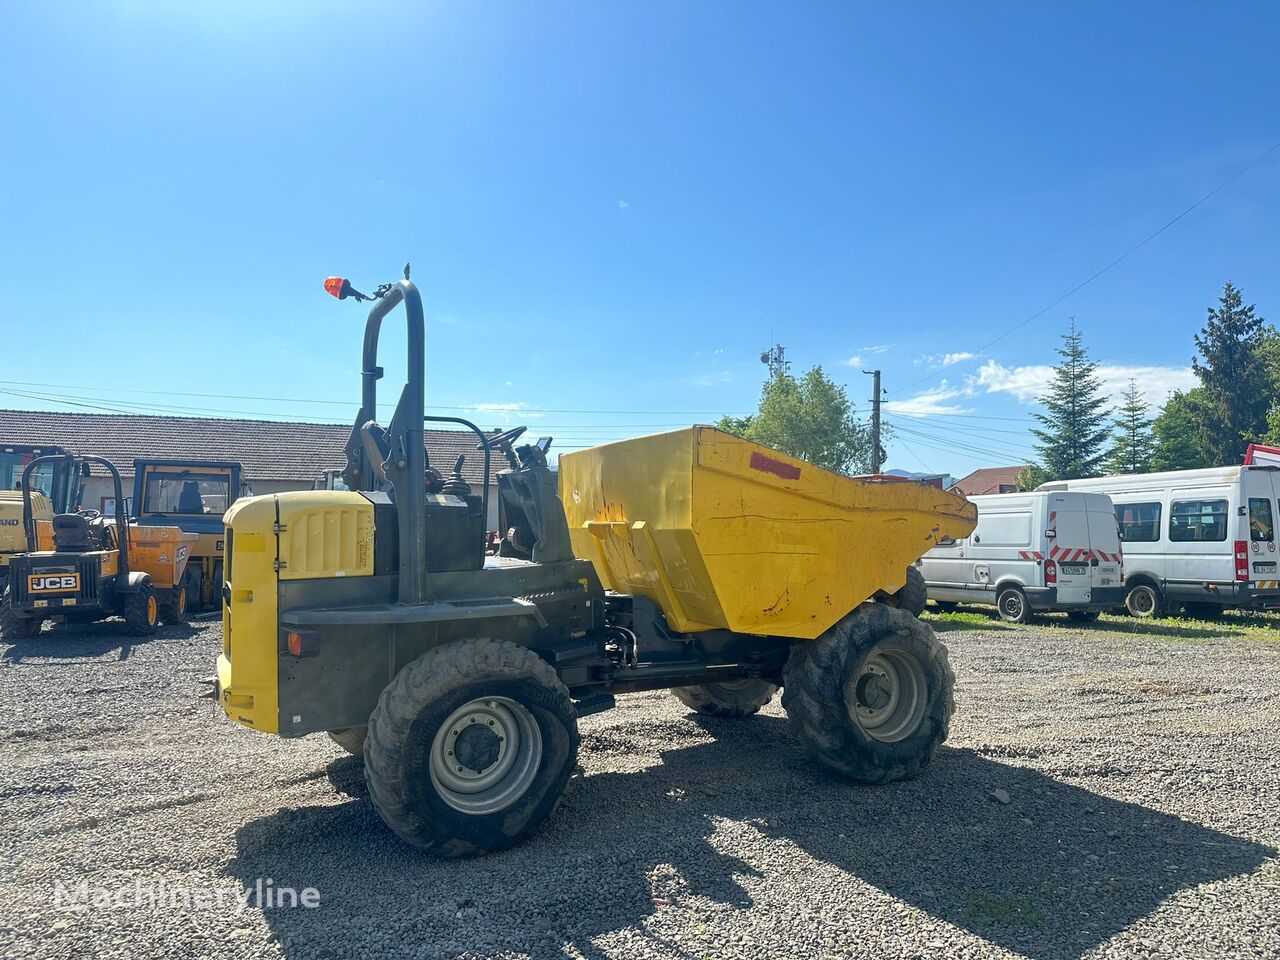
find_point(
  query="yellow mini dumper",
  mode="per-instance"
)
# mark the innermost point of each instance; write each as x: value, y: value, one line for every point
x: 81, y: 566
x: 692, y: 561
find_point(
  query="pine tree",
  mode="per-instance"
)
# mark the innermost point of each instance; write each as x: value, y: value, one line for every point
x: 1234, y: 377
x: 1075, y: 417
x: 1176, y: 432
x: 1133, y: 446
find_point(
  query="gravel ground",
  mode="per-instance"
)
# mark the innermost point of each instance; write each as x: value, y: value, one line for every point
x: 1103, y: 794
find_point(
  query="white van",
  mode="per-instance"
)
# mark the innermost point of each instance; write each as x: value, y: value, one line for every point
x: 1199, y: 539
x: 1031, y: 552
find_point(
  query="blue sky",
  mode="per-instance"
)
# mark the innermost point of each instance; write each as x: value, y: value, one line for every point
x: 612, y: 208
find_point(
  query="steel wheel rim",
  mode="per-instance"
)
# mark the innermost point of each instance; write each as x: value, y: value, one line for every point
x: 1142, y: 601
x: 1012, y: 605
x: 889, y: 694
x: 509, y: 764
x: 182, y: 601
x: 153, y: 609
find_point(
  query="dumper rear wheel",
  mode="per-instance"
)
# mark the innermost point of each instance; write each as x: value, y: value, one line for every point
x: 733, y: 698
x: 872, y: 697
x: 14, y: 625
x: 470, y: 747
x: 142, y: 611
x: 913, y: 595
x: 350, y: 739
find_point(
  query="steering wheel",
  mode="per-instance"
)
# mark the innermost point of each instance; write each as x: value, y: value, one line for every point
x: 91, y: 514
x: 503, y: 439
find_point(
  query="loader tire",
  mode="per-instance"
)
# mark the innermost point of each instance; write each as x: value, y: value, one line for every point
x: 142, y: 611
x: 174, y: 610
x: 913, y: 595
x: 350, y: 739
x: 17, y: 626
x: 470, y: 747
x: 872, y: 697
x: 733, y: 698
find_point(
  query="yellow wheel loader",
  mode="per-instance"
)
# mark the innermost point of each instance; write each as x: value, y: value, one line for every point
x: 81, y: 566
x: 692, y: 561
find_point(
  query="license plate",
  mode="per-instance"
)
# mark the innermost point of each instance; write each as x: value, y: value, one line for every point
x: 45, y: 583
x: 1264, y: 568
x: 1074, y: 569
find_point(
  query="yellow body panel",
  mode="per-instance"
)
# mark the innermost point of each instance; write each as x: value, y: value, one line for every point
x: 161, y: 552
x: 724, y: 533
x: 321, y: 534
x: 13, y: 539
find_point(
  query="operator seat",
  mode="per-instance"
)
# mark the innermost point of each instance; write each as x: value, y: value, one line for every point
x: 189, y: 500
x: 71, y: 533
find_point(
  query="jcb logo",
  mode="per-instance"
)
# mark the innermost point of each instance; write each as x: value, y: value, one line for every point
x: 53, y: 582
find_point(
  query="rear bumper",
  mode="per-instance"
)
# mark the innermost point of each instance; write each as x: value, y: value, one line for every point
x: 1100, y: 598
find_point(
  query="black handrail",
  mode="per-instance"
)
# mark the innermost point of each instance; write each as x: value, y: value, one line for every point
x: 122, y: 522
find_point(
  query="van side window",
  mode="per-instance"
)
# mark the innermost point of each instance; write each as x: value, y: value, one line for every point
x: 1260, y: 527
x: 1198, y: 521
x: 1139, y: 522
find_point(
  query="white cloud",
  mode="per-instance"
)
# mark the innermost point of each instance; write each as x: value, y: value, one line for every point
x: 854, y: 361
x: 932, y: 401
x: 882, y: 348
x: 506, y: 412
x: 1028, y: 382
x: 623, y: 204
x: 942, y: 360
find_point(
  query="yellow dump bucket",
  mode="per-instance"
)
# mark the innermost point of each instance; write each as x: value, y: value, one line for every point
x: 724, y: 533
x: 160, y: 551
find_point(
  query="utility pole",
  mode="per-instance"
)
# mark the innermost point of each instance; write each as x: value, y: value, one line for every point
x: 875, y: 419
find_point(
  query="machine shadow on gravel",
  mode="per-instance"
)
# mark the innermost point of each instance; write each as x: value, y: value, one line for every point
x: 74, y: 641
x: 1052, y: 874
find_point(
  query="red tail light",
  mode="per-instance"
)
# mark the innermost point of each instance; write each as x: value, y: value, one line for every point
x: 1050, y: 572
x: 1242, y: 560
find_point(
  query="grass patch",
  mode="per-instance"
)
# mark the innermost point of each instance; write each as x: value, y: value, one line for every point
x: 985, y: 908
x: 1254, y: 625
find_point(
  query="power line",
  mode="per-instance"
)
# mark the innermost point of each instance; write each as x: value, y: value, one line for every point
x: 1124, y: 256
x: 480, y: 407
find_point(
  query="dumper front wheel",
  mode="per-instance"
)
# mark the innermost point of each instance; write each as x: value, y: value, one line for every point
x: 872, y: 697
x: 913, y: 595
x: 470, y: 747
x: 733, y: 698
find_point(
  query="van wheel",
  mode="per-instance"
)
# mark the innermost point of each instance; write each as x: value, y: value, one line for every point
x: 1011, y: 603
x: 471, y: 747
x: 733, y: 698
x: 1083, y: 616
x: 142, y: 610
x: 1144, y: 601
x: 872, y: 697
x: 912, y: 595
